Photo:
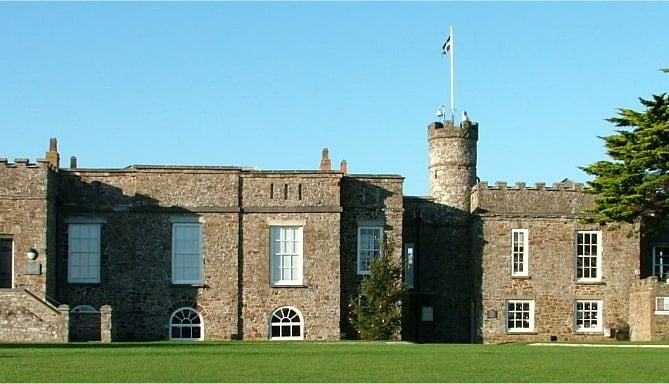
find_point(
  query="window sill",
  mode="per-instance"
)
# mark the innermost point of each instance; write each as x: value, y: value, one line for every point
x: 522, y: 333
x: 590, y: 282
x: 518, y: 277
x: 196, y: 285
x: 288, y: 286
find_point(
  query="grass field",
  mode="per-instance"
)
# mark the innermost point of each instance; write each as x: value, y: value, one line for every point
x: 328, y: 362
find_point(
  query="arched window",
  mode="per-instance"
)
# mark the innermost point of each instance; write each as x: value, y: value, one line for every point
x: 186, y: 324
x: 286, y: 324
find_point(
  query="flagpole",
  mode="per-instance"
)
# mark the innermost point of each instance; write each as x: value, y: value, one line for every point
x: 452, y: 74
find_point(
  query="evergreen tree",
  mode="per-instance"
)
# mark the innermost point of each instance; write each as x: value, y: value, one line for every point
x: 377, y: 313
x: 635, y: 185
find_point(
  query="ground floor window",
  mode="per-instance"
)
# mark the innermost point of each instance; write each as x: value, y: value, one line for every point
x: 520, y: 315
x: 588, y: 316
x: 286, y: 323
x: 186, y: 324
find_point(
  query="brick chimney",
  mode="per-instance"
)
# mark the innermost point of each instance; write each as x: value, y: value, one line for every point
x: 326, y: 164
x: 343, y: 167
x: 52, y: 156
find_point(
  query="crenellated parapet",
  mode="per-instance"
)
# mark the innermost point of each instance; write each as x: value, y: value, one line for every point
x: 560, y: 186
x: 561, y: 199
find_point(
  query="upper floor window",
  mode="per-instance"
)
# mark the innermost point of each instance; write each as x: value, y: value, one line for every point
x: 83, y: 250
x: 519, y: 252
x: 186, y: 253
x: 661, y: 262
x: 286, y: 255
x: 588, y: 316
x: 588, y: 256
x: 369, y: 247
x: 520, y: 315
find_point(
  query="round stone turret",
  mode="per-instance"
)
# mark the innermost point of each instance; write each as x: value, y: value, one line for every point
x: 452, y: 162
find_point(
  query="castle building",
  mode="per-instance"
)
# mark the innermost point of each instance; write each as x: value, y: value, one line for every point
x: 153, y: 252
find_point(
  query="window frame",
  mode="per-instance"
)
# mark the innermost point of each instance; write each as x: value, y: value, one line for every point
x: 277, y: 258
x: 664, y: 308
x: 272, y: 324
x: 76, y: 254
x: 599, y: 312
x: 179, y: 258
x: 581, y: 257
x: 530, y: 311
x: 199, y: 326
x: 661, y: 269
x: 523, y: 253
x: 362, y: 248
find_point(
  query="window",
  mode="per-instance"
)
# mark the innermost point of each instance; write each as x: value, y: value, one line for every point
x: 409, y: 265
x: 369, y: 247
x: 588, y: 256
x: 662, y: 305
x: 286, y: 255
x: 186, y: 324
x: 588, y: 316
x: 519, y: 252
x: 520, y: 316
x: 83, y: 253
x: 286, y: 324
x: 661, y: 262
x: 6, y: 263
x: 186, y: 253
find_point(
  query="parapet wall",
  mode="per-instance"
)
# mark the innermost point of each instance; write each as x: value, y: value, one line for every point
x: 561, y: 199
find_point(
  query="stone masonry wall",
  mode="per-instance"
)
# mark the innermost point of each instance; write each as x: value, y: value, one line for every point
x: 137, y: 206
x: 646, y: 321
x: 23, y: 317
x: 366, y: 199
x: 552, y: 217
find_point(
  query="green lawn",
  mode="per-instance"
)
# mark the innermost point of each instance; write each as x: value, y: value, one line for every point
x: 327, y: 362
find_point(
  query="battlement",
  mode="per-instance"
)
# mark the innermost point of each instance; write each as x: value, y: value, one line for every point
x: 563, y: 199
x: 519, y: 185
x: 24, y: 163
x: 450, y: 129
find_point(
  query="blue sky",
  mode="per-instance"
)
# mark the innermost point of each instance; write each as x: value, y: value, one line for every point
x: 270, y: 84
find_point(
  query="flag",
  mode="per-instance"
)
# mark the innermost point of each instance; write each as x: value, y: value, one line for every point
x: 448, y: 45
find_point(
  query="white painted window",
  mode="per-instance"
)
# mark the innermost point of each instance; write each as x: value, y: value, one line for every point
x: 520, y: 315
x: 83, y: 253
x: 662, y: 305
x: 186, y: 324
x: 286, y: 255
x: 588, y: 316
x: 369, y: 247
x: 661, y: 262
x: 186, y: 253
x: 588, y: 256
x: 519, y: 252
x: 286, y: 323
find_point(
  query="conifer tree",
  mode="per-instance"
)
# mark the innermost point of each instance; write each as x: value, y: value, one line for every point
x: 635, y: 184
x: 377, y: 313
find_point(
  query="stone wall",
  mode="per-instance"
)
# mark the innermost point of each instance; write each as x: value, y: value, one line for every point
x: 647, y: 322
x: 552, y: 217
x: 25, y: 317
x: 137, y: 206
x: 26, y: 205
x: 366, y: 200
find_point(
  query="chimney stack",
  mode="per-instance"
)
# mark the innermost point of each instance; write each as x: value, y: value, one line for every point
x: 73, y: 162
x: 343, y: 167
x: 326, y: 164
x: 52, y: 155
